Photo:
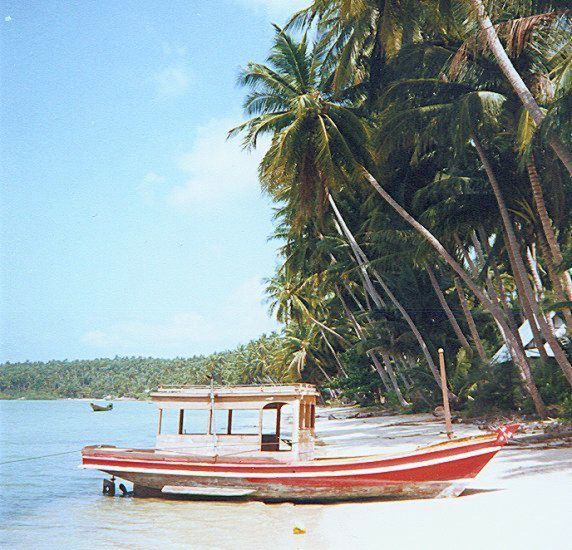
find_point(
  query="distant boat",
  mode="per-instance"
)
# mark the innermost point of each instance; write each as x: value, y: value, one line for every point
x: 99, y: 408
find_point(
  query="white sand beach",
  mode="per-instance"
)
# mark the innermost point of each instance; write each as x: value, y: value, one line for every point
x: 523, y: 499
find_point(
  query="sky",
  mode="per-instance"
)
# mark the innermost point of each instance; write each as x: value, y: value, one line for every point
x: 129, y: 224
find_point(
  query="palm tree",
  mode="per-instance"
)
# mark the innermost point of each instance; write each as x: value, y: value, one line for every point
x: 461, y: 119
x: 318, y: 142
x: 516, y: 81
x: 313, y: 138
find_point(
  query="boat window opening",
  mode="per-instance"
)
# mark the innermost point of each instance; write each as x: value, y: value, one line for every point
x: 312, y: 416
x: 195, y: 422
x: 244, y: 421
x: 269, y: 421
x: 273, y: 437
x: 219, y: 423
x: 169, y: 422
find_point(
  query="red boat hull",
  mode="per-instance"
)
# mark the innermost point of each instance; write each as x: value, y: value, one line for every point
x: 436, y: 471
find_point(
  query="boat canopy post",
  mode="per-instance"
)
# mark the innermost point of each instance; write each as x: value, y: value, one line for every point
x: 238, y: 439
x: 278, y: 409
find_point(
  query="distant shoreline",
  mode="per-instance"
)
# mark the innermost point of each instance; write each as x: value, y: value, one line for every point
x: 84, y: 399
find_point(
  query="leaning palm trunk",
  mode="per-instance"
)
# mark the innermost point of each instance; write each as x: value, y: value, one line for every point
x: 516, y: 82
x: 525, y: 300
x: 361, y: 258
x: 555, y: 280
x: 533, y: 267
x: 550, y: 235
x: 393, y: 379
x: 407, y: 383
x: 368, y: 285
x: 499, y: 295
x: 518, y: 355
x: 381, y: 371
x: 333, y: 352
x: 470, y: 321
x: 520, y: 269
x: 492, y: 291
x: 378, y: 367
x: 497, y: 300
x: 474, y: 270
x: 448, y: 312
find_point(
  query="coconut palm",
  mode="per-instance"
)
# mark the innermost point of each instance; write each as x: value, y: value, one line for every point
x: 314, y: 141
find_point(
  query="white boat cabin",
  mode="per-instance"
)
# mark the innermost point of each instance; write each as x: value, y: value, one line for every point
x: 270, y: 421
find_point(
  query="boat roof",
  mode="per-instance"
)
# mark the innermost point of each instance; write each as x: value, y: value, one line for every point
x: 250, y: 392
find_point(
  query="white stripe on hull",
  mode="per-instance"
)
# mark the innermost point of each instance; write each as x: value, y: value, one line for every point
x: 270, y: 475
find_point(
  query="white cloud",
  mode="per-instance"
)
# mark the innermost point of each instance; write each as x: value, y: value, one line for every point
x: 173, y: 81
x: 216, y: 168
x: 242, y: 317
x: 276, y: 8
x: 150, y: 185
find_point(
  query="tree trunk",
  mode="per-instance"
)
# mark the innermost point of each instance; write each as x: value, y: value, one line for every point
x: 525, y: 302
x: 516, y: 82
x: 503, y: 298
x: 365, y: 275
x: 494, y: 294
x: 358, y: 330
x: 393, y: 379
x: 549, y: 234
x: 381, y: 371
x: 512, y: 247
x: 533, y: 268
x: 555, y: 280
x: 452, y: 320
x: 470, y: 321
x: 333, y: 352
x: 362, y: 260
x: 518, y: 357
x: 408, y: 385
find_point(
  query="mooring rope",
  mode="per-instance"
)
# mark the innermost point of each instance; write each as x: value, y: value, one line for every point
x: 39, y: 457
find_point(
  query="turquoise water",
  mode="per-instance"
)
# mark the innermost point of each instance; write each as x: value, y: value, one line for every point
x: 39, y: 496
x: 51, y: 503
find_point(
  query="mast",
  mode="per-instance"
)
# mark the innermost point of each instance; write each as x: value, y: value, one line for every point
x: 212, y: 425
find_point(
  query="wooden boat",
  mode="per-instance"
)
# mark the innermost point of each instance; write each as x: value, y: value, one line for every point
x: 99, y: 408
x: 267, y: 466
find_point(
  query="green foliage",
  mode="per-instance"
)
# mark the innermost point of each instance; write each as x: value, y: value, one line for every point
x: 359, y: 385
x: 498, y: 392
x: 567, y: 407
x: 136, y: 377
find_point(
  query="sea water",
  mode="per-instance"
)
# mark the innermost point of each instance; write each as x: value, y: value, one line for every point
x: 51, y: 503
